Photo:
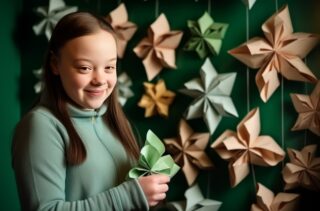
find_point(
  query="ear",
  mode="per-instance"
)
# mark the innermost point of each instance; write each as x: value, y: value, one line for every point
x: 54, y: 63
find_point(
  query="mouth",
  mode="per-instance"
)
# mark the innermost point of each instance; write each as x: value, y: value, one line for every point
x: 94, y: 92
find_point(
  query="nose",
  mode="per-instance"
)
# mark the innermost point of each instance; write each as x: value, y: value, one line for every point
x: 98, y: 78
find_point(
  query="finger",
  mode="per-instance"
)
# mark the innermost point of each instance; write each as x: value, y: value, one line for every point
x: 163, y: 178
x: 162, y: 188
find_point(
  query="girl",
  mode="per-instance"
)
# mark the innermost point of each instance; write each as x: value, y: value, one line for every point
x: 73, y: 150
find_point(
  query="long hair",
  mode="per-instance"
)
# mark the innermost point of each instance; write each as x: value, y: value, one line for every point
x: 70, y: 27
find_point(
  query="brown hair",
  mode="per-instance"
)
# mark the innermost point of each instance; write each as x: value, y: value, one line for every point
x: 69, y: 27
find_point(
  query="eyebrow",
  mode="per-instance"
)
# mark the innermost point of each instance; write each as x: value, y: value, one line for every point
x: 88, y: 60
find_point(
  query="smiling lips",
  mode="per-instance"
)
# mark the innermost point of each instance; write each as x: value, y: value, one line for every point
x: 95, y: 92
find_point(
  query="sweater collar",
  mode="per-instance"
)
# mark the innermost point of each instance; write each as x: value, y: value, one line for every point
x: 84, y: 113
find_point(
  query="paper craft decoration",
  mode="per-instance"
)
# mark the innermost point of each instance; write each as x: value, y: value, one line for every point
x: 156, y: 99
x: 211, y: 93
x: 188, y: 151
x: 267, y: 201
x: 206, y: 36
x: 196, y: 202
x: 308, y: 108
x: 281, y: 52
x: 38, y: 86
x: 246, y: 146
x: 249, y: 3
x: 151, y: 160
x: 158, y: 49
x: 124, y: 91
x: 124, y: 29
x: 303, y: 170
x: 51, y: 15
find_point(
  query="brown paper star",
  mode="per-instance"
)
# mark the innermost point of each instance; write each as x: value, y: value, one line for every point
x: 158, y: 49
x: 124, y: 29
x: 246, y: 146
x: 308, y: 108
x: 281, y: 52
x: 267, y: 201
x: 156, y: 99
x: 188, y: 151
x: 303, y: 170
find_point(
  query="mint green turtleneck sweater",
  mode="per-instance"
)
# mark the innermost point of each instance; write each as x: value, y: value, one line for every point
x: 44, y: 180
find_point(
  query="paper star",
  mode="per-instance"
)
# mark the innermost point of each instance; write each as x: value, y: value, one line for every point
x: 266, y: 201
x: 303, y: 170
x: 124, y: 91
x: 281, y: 52
x: 246, y: 146
x: 196, y: 202
x: 158, y: 49
x: 157, y: 99
x: 212, y: 96
x: 151, y: 160
x: 124, y: 29
x: 206, y: 36
x: 51, y: 14
x: 188, y: 151
x: 308, y: 108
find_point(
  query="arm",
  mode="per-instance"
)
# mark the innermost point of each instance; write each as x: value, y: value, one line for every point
x: 40, y: 169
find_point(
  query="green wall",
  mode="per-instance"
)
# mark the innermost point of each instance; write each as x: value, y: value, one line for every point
x: 214, y: 184
x: 10, y: 104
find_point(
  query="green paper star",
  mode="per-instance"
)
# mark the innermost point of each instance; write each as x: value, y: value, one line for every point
x: 206, y: 36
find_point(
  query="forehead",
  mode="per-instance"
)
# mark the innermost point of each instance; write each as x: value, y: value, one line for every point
x: 100, y: 42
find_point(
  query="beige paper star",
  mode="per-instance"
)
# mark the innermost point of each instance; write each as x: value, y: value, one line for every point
x: 267, y: 201
x: 158, y: 49
x: 156, y: 99
x: 124, y: 29
x: 188, y: 151
x: 303, y: 170
x: 281, y: 52
x: 246, y: 146
x: 308, y: 108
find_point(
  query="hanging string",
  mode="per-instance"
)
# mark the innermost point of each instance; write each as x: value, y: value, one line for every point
x: 156, y: 9
x: 209, y: 7
x: 306, y: 92
x: 248, y: 96
x: 119, y: 2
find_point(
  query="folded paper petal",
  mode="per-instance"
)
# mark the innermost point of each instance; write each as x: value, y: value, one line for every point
x: 188, y: 151
x: 267, y: 201
x: 206, y: 36
x: 212, y: 96
x: 195, y: 201
x: 308, y: 108
x: 246, y: 146
x: 249, y: 3
x: 281, y: 52
x: 51, y: 15
x: 124, y: 91
x: 39, y: 85
x: 157, y: 99
x: 158, y: 49
x: 151, y: 160
x: 303, y: 170
x: 124, y: 29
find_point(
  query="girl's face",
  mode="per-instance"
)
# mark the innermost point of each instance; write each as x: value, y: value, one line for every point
x: 87, y: 68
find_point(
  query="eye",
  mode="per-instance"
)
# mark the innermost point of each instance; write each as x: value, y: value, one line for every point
x: 110, y: 68
x: 84, y: 69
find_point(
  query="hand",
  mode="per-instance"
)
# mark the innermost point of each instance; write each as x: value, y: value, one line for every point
x: 154, y: 187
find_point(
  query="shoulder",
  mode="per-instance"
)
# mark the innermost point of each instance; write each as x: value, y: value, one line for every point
x: 38, y: 123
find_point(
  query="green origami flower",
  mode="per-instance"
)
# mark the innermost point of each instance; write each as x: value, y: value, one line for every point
x: 150, y: 160
x: 206, y: 36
